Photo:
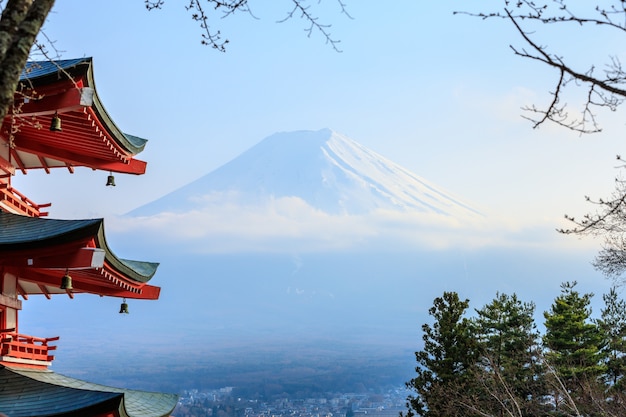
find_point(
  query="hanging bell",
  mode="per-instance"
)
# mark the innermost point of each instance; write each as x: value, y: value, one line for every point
x: 66, y: 282
x: 110, y: 180
x: 124, y: 307
x: 55, y: 123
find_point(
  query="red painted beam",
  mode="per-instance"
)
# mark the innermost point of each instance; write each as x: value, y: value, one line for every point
x: 69, y: 100
x: 148, y: 292
x: 82, y: 284
x: 134, y: 166
x: 82, y: 258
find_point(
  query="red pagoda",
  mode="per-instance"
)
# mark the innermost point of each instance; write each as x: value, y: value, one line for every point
x: 58, y: 121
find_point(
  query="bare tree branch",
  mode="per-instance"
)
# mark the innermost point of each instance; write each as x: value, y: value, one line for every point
x: 609, y: 222
x: 203, y: 11
x: 20, y: 23
x: 298, y: 7
x: 607, y: 90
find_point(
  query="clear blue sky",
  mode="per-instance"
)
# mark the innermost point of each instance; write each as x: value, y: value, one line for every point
x: 437, y: 93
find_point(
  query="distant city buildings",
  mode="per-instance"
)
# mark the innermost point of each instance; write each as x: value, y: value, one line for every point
x: 222, y: 403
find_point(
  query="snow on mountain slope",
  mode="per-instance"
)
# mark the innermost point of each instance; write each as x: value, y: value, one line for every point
x: 329, y: 171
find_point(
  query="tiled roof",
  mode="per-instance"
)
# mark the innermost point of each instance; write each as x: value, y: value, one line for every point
x: 16, y: 230
x: 19, y: 232
x: 86, y: 124
x: 25, y: 393
x: 34, y: 69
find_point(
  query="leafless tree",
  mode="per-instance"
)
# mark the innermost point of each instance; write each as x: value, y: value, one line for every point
x: 608, y: 222
x: 21, y: 22
x: 494, y: 397
x: 604, y: 84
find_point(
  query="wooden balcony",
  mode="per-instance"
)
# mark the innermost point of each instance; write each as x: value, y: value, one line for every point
x: 13, y: 201
x: 29, y: 351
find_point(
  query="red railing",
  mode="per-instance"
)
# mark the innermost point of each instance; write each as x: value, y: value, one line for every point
x: 13, y: 200
x: 23, y: 347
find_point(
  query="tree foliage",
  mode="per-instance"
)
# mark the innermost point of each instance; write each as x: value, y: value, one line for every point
x: 510, y: 355
x: 509, y: 369
x: 573, y: 341
x: 574, y: 345
x: 613, y: 327
x: 444, y: 365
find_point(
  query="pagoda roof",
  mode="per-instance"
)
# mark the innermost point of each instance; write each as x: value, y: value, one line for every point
x: 29, y: 392
x: 39, y: 251
x: 89, y: 137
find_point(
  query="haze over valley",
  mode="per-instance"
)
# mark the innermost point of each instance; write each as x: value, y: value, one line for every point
x: 309, y: 251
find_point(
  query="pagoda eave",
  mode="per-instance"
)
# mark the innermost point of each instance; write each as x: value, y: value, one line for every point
x: 101, y: 282
x: 58, y: 121
x: 46, y: 393
x: 85, y: 257
x: 50, y: 156
x: 40, y: 252
x: 70, y: 100
x: 148, y: 292
x: 133, y: 166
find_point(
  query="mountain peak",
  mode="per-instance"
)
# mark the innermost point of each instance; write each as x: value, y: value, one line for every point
x: 327, y: 170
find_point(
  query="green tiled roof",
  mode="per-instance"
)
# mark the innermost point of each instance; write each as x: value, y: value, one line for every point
x: 42, y: 72
x: 26, y: 393
x: 34, y: 69
x: 19, y: 232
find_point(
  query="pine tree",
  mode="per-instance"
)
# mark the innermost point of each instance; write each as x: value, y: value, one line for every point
x: 613, y: 326
x: 444, y: 365
x: 575, y: 345
x: 510, y: 357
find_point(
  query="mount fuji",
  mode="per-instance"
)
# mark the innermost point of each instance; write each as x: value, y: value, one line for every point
x: 307, y: 245
x: 329, y: 171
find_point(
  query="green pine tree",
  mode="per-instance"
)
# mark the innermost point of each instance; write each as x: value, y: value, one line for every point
x: 574, y: 346
x: 510, y: 357
x: 444, y: 365
x: 613, y: 326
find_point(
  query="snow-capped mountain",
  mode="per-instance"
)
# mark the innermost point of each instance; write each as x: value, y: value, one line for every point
x: 329, y: 171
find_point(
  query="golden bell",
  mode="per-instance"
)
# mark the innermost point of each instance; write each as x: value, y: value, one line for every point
x: 110, y: 181
x: 55, y: 123
x: 124, y: 307
x: 66, y: 282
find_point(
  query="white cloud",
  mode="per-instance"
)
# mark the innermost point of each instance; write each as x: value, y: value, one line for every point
x: 291, y: 225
